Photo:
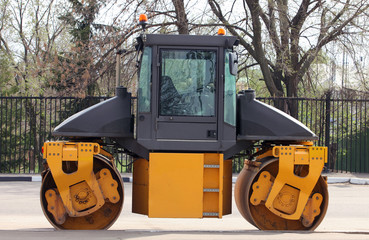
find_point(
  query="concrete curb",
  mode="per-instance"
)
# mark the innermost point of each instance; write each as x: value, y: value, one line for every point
x: 333, y: 180
x: 359, y: 181
x: 37, y: 178
x: 338, y: 179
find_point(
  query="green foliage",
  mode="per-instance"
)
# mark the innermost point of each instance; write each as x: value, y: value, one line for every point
x: 252, y: 78
x: 7, y: 86
x: 353, y: 152
x: 76, y: 68
x: 17, y: 141
x: 321, y: 58
x: 81, y: 18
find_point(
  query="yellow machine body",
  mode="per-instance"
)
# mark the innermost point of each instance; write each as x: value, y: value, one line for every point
x: 188, y: 185
x: 182, y: 185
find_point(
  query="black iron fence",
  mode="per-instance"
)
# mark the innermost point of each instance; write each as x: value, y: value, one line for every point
x: 26, y: 122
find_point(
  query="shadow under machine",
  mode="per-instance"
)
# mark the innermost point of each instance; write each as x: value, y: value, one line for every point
x: 188, y: 126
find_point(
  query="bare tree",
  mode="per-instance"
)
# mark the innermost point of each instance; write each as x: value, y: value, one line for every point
x: 285, y: 37
x: 29, y: 37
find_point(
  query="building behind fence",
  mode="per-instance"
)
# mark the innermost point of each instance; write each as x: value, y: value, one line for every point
x: 26, y: 123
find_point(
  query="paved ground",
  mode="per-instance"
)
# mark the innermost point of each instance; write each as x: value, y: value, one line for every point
x: 354, y: 178
x: 21, y: 218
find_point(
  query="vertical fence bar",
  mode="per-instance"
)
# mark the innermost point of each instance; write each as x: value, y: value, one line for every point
x: 50, y: 114
x: 26, y: 156
x: 342, y: 139
x: 32, y: 135
x: 16, y: 135
x: 346, y: 133
x: 321, y: 122
x: 311, y: 113
x: 13, y: 144
x: 20, y: 137
x: 9, y: 150
x: 336, y: 125
x: 58, y: 110
x: 366, y: 140
x: 356, y: 143
x: 54, y: 110
x: 327, y: 125
x: 24, y: 136
x: 38, y: 135
x: 342, y: 126
x: 10, y: 134
x: 339, y: 153
x: 360, y: 136
x: 46, y: 134
x: 6, y: 137
x: 300, y: 114
x: 351, y: 135
x: 306, y: 101
x: 316, y: 118
x: 332, y: 163
x: 19, y: 146
x: 1, y: 133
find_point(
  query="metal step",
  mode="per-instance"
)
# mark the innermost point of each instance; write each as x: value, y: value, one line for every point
x: 211, y: 166
x: 210, y: 214
x: 211, y: 190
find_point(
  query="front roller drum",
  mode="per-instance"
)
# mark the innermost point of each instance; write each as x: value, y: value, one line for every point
x: 103, y: 218
x: 259, y: 215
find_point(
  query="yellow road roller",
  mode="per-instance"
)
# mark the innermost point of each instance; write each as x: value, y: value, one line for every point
x: 188, y: 123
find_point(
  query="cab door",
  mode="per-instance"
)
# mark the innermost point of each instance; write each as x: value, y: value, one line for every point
x: 187, y: 94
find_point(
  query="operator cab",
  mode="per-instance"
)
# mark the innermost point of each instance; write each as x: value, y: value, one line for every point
x: 186, y: 93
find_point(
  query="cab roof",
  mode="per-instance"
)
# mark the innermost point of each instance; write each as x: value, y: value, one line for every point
x: 189, y: 40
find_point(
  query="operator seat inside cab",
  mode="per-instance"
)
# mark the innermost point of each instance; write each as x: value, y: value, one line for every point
x: 169, y: 97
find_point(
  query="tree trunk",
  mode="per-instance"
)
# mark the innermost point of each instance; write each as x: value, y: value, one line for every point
x: 32, y: 118
x: 291, y: 83
x: 182, y: 21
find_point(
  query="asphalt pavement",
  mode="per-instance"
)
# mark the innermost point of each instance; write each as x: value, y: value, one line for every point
x: 21, y: 217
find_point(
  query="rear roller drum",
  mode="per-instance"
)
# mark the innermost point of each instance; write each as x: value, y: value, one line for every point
x: 103, y: 218
x: 259, y: 215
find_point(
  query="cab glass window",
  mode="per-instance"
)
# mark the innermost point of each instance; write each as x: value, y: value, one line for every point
x: 229, y: 93
x: 144, y: 84
x: 187, y: 82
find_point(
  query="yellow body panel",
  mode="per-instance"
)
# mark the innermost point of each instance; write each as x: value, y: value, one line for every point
x: 140, y: 189
x: 227, y: 187
x: 108, y: 185
x: 56, y: 153
x: 312, y: 209
x: 70, y: 152
x: 182, y: 185
x: 261, y: 188
x: 176, y: 182
x: 55, y: 206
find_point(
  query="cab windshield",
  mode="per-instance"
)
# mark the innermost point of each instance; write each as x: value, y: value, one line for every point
x: 187, y: 82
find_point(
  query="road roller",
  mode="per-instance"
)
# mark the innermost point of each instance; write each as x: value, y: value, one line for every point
x: 183, y: 128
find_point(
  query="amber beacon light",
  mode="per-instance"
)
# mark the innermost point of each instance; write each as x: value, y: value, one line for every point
x: 221, y: 31
x: 143, y: 21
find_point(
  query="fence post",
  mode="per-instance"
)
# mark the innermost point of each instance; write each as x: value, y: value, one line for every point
x: 327, y: 126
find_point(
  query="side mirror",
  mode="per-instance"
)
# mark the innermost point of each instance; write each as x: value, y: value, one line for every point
x: 233, y: 63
